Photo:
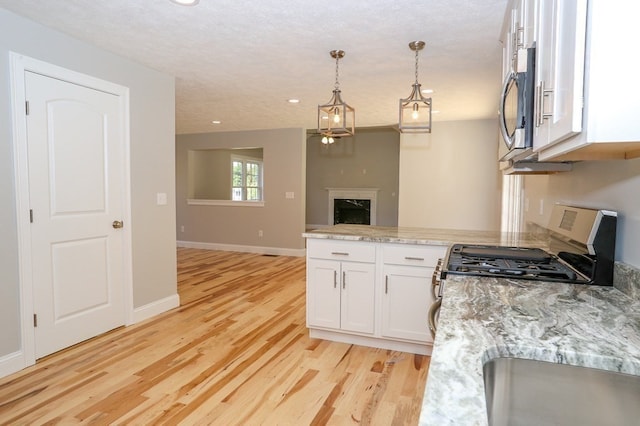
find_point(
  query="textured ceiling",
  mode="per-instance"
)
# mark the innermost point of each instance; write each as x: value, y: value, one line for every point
x: 238, y: 61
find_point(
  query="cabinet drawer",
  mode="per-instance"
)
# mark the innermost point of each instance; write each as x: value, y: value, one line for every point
x: 413, y: 255
x: 341, y: 250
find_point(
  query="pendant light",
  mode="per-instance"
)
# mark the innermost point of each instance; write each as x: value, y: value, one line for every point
x: 335, y: 119
x: 415, y: 111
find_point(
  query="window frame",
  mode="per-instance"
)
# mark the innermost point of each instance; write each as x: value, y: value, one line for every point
x: 244, y: 187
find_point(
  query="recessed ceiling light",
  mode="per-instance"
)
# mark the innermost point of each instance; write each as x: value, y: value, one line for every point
x: 427, y: 91
x: 435, y: 111
x: 293, y: 101
x: 216, y: 122
x: 185, y: 2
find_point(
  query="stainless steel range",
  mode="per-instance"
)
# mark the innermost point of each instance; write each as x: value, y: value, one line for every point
x: 580, y: 250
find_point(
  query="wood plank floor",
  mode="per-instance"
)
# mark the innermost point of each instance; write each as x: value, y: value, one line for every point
x: 236, y: 352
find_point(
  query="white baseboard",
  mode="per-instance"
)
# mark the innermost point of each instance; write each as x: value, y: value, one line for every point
x: 155, y: 308
x: 244, y: 249
x: 12, y: 363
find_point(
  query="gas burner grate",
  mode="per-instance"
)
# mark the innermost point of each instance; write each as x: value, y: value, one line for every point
x: 470, y: 260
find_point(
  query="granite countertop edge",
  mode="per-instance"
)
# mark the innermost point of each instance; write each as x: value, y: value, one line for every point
x: 422, y: 236
x: 486, y: 318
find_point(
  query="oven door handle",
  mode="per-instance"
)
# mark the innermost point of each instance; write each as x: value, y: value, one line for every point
x: 435, y: 279
x: 434, y: 312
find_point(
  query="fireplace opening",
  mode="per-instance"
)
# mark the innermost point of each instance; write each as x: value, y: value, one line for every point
x: 351, y: 211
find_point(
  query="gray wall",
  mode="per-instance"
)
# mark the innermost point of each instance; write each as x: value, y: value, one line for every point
x: 281, y: 219
x: 450, y: 177
x: 612, y: 185
x: 152, y: 101
x: 369, y: 159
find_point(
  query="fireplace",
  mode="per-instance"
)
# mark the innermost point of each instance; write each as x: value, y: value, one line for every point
x: 357, y: 212
x: 352, y: 206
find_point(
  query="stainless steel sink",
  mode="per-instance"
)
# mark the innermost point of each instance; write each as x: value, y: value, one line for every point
x: 528, y: 392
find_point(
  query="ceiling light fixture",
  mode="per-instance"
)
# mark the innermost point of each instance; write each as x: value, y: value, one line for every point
x: 336, y: 118
x: 415, y: 111
x: 185, y: 2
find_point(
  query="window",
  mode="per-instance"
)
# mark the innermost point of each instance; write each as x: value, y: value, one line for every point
x: 246, y: 179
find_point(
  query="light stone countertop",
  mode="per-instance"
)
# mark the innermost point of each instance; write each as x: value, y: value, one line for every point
x: 485, y: 318
x: 426, y: 236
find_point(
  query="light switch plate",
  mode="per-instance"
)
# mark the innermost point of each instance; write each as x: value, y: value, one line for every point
x: 161, y: 198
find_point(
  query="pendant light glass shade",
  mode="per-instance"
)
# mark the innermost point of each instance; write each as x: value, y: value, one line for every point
x: 415, y: 111
x: 336, y: 118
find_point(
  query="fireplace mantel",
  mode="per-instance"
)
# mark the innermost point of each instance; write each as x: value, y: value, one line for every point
x: 353, y: 193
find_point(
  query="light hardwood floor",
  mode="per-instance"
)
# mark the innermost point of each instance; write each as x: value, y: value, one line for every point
x: 236, y: 352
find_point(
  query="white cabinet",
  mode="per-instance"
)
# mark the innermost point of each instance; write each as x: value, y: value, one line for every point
x: 406, y: 302
x: 560, y: 44
x: 587, y: 102
x: 407, y: 295
x: 341, y: 286
x: 374, y: 294
x: 518, y: 32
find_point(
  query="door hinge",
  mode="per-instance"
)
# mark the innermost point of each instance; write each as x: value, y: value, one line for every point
x: 35, y: 320
x: 30, y: 215
x: 27, y: 107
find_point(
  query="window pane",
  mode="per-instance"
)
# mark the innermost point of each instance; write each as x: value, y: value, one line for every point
x: 237, y: 173
x: 236, y: 194
x: 253, y: 194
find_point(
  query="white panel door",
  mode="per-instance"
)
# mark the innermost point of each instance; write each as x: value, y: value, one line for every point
x: 75, y: 141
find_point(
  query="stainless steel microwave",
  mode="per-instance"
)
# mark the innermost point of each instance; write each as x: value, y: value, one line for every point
x: 517, y: 105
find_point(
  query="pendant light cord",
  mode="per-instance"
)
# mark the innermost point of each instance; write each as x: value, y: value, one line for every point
x: 337, y: 85
x: 417, y: 66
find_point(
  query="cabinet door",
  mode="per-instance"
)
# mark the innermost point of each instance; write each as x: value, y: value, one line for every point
x: 561, y: 37
x: 525, y: 23
x: 323, y: 293
x: 405, y: 302
x: 358, y: 297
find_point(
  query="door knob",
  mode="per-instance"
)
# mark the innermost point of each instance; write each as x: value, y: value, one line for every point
x: 117, y: 224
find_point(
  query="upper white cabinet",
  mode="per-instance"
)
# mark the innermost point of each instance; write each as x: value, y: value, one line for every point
x: 587, y: 102
x: 517, y: 33
x: 560, y: 55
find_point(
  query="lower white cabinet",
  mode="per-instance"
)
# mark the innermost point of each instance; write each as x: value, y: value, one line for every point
x: 340, y: 295
x: 372, y: 294
x: 405, y: 302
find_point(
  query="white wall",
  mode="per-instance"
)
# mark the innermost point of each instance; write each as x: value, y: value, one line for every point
x: 450, y: 178
x: 152, y: 100
x: 611, y: 185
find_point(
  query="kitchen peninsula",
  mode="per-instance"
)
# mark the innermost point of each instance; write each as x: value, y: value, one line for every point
x: 371, y: 285
x: 481, y: 318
